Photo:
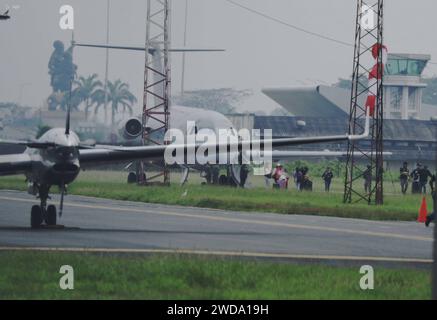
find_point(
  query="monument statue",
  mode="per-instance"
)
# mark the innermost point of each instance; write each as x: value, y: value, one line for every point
x: 62, y: 72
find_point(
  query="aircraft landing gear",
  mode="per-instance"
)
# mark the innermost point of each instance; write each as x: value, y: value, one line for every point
x: 36, y: 218
x: 43, y: 213
x: 51, y: 216
x: 133, y: 178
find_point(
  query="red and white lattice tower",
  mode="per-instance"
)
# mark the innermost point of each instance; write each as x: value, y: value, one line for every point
x: 157, y: 81
x: 370, y: 56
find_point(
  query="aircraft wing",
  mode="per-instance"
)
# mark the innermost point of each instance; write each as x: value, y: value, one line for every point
x: 29, y: 144
x: 15, y: 164
x: 117, y: 154
x: 20, y: 163
x: 282, y: 155
x: 279, y: 154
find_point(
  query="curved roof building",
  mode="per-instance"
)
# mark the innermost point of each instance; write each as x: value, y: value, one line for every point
x: 403, y: 89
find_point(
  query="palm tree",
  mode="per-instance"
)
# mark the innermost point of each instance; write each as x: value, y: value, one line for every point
x: 99, y: 100
x: 119, y: 95
x: 88, y: 91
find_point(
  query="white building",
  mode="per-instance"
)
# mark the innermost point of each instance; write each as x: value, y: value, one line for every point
x: 403, y: 88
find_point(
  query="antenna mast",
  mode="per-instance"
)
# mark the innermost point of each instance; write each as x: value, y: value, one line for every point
x: 157, y: 83
x: 367, y: 96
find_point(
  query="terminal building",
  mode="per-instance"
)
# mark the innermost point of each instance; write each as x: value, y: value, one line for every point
x: 410, y: 126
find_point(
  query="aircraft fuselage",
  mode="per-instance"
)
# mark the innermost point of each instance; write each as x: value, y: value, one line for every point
x: 55, y: 165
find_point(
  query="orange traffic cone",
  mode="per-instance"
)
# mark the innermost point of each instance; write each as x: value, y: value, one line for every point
x: 423, y: 211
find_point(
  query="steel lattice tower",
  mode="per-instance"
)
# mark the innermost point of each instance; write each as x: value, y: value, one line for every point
x: 368, y: 37
x: 157, y: 79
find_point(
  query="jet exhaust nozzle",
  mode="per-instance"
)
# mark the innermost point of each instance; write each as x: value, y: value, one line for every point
x: 131, y: 129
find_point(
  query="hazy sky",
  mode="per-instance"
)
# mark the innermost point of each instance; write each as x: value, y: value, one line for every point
x: 260, y: 53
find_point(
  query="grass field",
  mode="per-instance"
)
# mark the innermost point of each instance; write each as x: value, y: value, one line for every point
x: 35, y: 275
x: 257, y: 199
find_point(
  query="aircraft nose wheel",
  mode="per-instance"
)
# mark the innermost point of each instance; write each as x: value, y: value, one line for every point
x: 44, y: 213
x: 36, y: 218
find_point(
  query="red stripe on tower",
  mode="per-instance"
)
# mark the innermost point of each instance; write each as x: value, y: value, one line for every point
x: 376, y: 74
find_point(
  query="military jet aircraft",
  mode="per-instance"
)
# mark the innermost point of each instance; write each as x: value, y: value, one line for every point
x: 55, y: 159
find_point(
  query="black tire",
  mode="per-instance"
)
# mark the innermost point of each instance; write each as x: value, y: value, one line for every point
x: 51, y: 215
x: 36, y: 217
x: 132, y: 178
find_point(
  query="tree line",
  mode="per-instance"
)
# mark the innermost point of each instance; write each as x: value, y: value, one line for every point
x: 88, y: 95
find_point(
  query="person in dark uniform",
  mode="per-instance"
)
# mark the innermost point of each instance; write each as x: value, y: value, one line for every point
x: 367, y: 176
x: 415, y: 175
x: 424, y: 174
x: 215, y: 174
x: 431, y: 218
x: 244, y: 172
x: 208, y: 173
x: 327, y: 177
x: 306, y: 184
x: 404, y: 177
x: 432, y: 182
x: 299, y: 178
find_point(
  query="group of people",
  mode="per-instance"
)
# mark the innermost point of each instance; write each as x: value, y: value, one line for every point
x: 281, y: 178
x: 302, y: 179
x: 211, y: 174
x: 421, y: 177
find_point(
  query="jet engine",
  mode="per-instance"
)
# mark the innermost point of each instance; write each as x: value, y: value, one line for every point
x: 131, y: 129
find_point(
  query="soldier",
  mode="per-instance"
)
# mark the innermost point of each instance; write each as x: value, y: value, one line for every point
x: 367, y: 176
x: 244, y: 172
x: 424, y: 175
x: 215, y: 174
x: 432, y: 182
x: 404, y: 177
x: 415, y: 188
x: 298, y: 178
x: 207, y: 173
x: 327, y: 177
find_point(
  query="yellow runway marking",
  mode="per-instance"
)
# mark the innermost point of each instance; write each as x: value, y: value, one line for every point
x: 240, y: 220
x: 219, y: 253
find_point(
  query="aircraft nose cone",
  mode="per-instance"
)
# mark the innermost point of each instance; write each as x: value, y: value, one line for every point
x: 65, y: 172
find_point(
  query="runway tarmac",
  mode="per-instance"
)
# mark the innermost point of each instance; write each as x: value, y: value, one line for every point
x: 117, y: 226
